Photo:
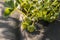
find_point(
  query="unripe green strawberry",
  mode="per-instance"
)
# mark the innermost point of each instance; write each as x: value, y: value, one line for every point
x: 7, y: 12
x: 31, y: 28
x: 24, y: 25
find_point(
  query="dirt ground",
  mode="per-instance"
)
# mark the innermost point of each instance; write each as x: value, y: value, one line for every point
x: 53, y: 32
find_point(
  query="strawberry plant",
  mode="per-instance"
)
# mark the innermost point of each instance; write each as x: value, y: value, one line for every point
x: 35, y: 10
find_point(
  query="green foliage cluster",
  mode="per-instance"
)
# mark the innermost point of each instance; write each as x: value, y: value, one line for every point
x: 36, y: 10
x: 40, y: 9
